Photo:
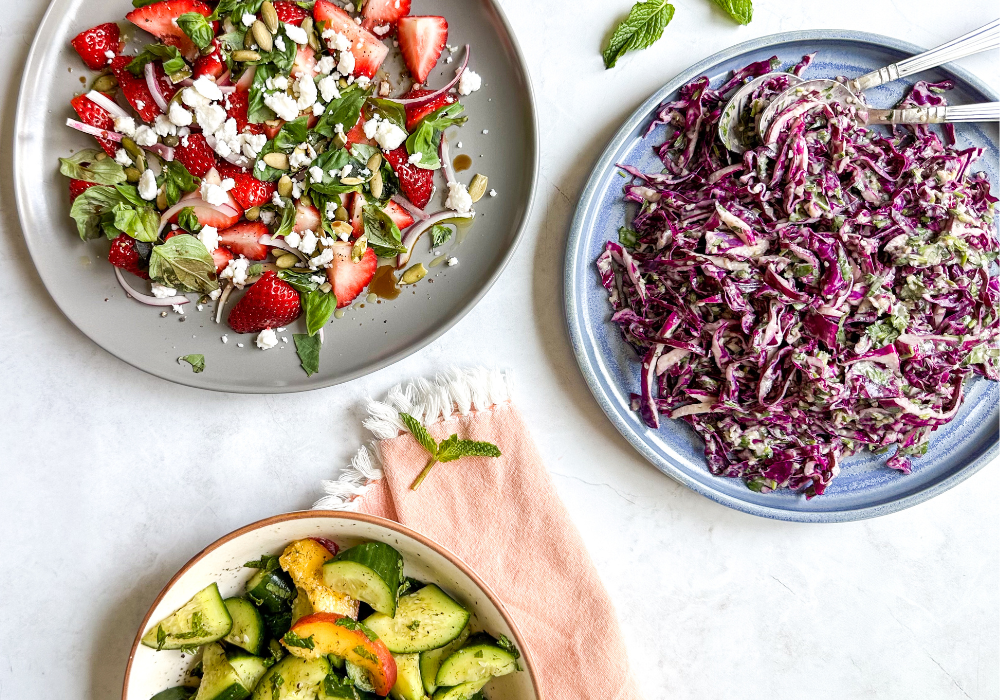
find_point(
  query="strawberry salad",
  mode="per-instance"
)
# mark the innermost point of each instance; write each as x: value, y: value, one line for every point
x: 260, y: 145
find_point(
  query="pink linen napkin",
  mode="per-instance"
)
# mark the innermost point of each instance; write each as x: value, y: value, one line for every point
x: 503, y: 518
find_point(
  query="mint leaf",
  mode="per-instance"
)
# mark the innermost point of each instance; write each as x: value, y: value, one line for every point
x: 85, y: 166
x: 508, y: 646
x: 426, y: 138
x: 319, y: 307
x: 173, y: 61
x: 345, y: 110
x: 293, y: 640
x: 307, y: 346
x: 357, y: 627
x: 183, y: 263
x: 440, y: 235
x: 383, y: 234
x: 643, y: 26
x: 419, y: 433
x: 739, y: 10
x: 197, y: 28
x: 267, y: 562
x: 453, y: 448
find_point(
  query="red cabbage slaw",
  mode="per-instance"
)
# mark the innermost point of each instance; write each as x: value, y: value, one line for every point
x: 830, y: 290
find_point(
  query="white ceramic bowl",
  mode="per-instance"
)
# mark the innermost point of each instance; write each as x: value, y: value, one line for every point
x: 150, y: 671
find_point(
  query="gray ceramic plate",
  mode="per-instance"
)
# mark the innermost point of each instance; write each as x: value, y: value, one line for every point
x: 366, y: 339
x: 865, y: 487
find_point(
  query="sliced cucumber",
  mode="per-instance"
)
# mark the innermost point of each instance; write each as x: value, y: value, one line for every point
x: 359, y: 677
x: 408, y: 685
x: 430, y: 661
x: 248, y: 667
x: 301, y: 606
x: 466, y: 691
x: 201, y: 620
x: 219, y: 680
x: 271, y: 590
x: 292, y: 678
x: 481, y: 658
x: 180, y: 692
x: 425, y: 620
x: 248, y: 625
x: 369, y: 572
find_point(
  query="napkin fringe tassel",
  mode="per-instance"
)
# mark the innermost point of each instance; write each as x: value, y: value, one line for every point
x: 457, y: 391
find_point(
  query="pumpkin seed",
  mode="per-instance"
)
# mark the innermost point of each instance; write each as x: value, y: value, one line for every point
x: 340, y: 214
x: 227, y: 26
x: 161, y: 200
x: 100, y: 156
x: 105, y: 83
x: 351, y: 181
x: 248, y: 42
x: 307, y: 27
x: 277, y: 160
x: 325, y: 288
x: 285, y: 186
x: 477, y: 188
x: 171, y: 141
x: 133, y: 174
x: 262, y: 36
x: 252, y: 214
x: 306, y: 200
x: 270, y: 16
x: 341, y: 227
x: 246, y: 56
x: 131, y: 147
x: 340, y: 141
x: 376, y: 185
x: 413, y: 274
x: 287, y: 260
x: 359, y: 248
x: 375, y: 162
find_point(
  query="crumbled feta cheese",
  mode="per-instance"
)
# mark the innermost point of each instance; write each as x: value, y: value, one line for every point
x: 458, y: 145
x: 193, y: 98
x: 363, y: 81
x: 278, y: 82
x: 163, y: 292
x: 267, y: 217
x: 253, y: 143
x: 469, y: 82
x: 144, y: 136
x: 302, y: 156
x: 388, y: 135
x: 216, y: 194
x: 267, y: 339
x: 215, y: 294
x: 284, y: 339
x: 316, y: 174
x: 279, y: 43
x: 140, y: 105
x: 346, y: 64
x: 326, y: 65
x: 346, y: 171
x: 147, y: 186
x: 458, y: 198
x: 452, y: 261
x: 296, y: 34
x: 125, y: 126
x: 248, y: 19
x: 486, y: 131
x: 371, y: 126
x: 122, y: 158
x: 283, y: 105
x: 308, y: 244
x: 178, y: 115
x: 110, y: 55
x: 293, y: 239
x: 177, y: 309
x: 239, y: 345
x: 296, y: 189
x: 225, y: 338
x: 236, y: 270
x: 210, y: 118
x: 382, y: 30
x: 449, y: 59
x: 331, y: 210
x: 349, y: 7
x: 163, y: 126
x: 493, y: 193
x: 318, y: 109
x: 207, y: 88
x: 209, y: 235
x: 414, y: 158
x: 322, y: 259
x: 276, y: 199
x: 328, y: 88
x: 305, y: 87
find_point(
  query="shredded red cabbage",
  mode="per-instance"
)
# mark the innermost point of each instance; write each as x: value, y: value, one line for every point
x: 829, y: 291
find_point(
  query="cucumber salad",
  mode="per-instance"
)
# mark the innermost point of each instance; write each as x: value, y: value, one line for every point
x: 318, y: 623
x: 263, y: 145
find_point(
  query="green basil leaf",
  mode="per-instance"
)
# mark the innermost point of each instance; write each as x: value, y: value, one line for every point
x: 307, y: 346
x: 237, y: 8
x: 197, y: 28
x: 258, y: 112
x: 292, y: 134
x: 142, y: 223
x: 345, y: 110
x: 363, y: 153
x: 643, y: 26
x: 383, y: 234
x: 143, y: 3
x: 739, y: 10
x: 173, y: 62
x: 85, y: 166
x: 177, y: 181
x: 197, y: 362
x: 427, y: 136
x: 188, y: 220
x: 183, y: 263
x: 390, y: 110
x: 287, y: 219
x: 89, y: 208
x: 302, y: 281
x: 440, y: 235
x: 319, y: 307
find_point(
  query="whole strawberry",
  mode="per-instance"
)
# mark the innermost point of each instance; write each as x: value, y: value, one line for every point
x: 124, y: 254
x: 269, y: 303
x: 96, y: 43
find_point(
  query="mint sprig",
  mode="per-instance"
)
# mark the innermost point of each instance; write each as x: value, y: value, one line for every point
x: 643, y: 26
x: 448, y: 450
x: 740, y: 10
x: 197, y: 362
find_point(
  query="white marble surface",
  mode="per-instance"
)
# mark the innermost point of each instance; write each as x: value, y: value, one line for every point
x: 101, y: 501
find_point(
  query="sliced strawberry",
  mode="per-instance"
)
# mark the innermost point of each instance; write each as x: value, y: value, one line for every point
x: 355, y: 206
x: 399, y: 216
x: 421, y: 39
x: 244, y: 239
x: 135, y: 89
x: 160, y: 20
x: 271, y: 129
x: 417, y: 183
x: 415, y: 114
x: 246, y: 79
x: 289, y: 12
x: 237, y: 105
x: 93, y: 44
x: 94, y: 115
x: 195, y: 154
x: 305, y: 62
x: 368, y: 49
x: 209, y: 64
x: 78, y: 187
x: 357, y: 135
x: 347, y: 277
x: 381, y: 13
x: 251, y: 192
x: 222, y: 257
x: 269, y: 303
x: 123, y: 254
x: 306, y: 218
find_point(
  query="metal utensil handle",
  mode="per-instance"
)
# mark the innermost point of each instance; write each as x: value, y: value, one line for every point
x: 983, y: 39
x: 984, y: 112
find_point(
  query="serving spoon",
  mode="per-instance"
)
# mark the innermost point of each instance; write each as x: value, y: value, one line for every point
x: 738, y: 137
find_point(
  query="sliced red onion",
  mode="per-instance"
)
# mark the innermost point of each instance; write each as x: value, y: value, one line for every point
x: 418, y: 213
x: 415, y: 101
x: 224, y: 79
x: 107, y: 104
x: 322, y: 337
x: 267, y: 239
x: 246, y: 80
x: 223, y: 298
x: 146, y: 298
x: 227, y: 89
x: 185, y: 202
x: 413, y: 234
x: 330, y: 545
x: 445, y: 152
x: 154, y: 87
x: 93, y: 130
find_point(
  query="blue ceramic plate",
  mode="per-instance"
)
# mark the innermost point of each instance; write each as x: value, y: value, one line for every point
x: 865, y: 487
